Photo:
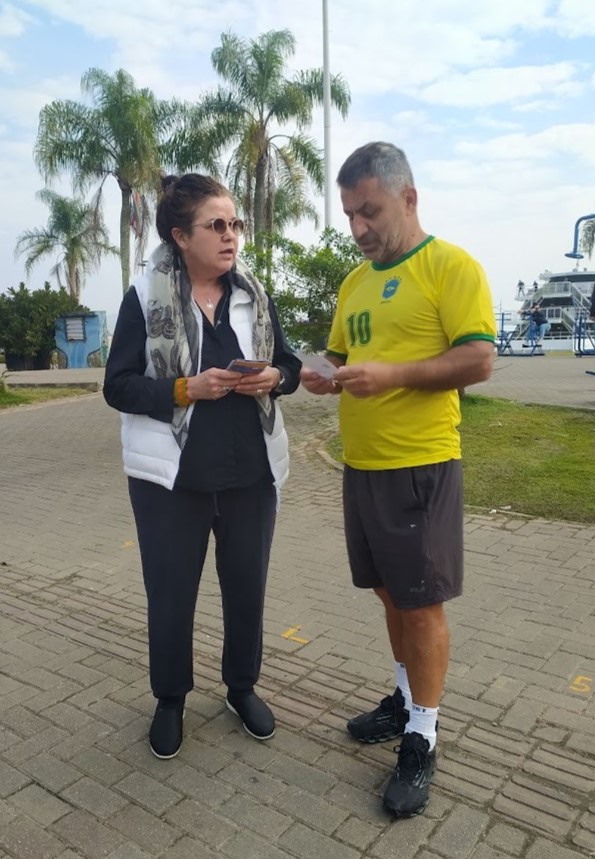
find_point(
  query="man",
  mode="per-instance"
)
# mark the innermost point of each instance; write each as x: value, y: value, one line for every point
x: 413, y: 324
x: 540, y: 322
x: 538, y: 326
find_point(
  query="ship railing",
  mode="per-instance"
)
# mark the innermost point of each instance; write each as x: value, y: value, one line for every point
x: 562, y: 287
x: 581, y: 299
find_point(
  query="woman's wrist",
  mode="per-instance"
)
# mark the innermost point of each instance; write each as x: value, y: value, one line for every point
x: 279, y: 384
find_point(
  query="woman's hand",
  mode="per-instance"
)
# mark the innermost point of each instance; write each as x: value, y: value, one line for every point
x: 212, y: 384
x: 259, y: 384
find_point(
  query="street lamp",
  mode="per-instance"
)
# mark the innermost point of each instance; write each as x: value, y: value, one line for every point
x: 575, y: 253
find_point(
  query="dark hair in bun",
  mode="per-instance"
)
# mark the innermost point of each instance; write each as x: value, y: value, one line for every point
x: 180, y: 197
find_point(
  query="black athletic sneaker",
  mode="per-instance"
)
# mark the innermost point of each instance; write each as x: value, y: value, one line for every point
x: 384, y: 723
x: 165, y: 736
x: 408, y: 791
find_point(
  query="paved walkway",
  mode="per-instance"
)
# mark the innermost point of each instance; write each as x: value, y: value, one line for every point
x: 516, y: 773
x: 558, y: 380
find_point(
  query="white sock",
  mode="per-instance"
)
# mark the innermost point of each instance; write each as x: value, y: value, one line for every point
x: 402, y: 682
x: 422, y: 720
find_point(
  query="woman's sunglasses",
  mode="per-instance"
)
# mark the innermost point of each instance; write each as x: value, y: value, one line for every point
x: 220, y: 226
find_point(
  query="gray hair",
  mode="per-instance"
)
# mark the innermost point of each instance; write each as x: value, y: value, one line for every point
x: 378, y: 160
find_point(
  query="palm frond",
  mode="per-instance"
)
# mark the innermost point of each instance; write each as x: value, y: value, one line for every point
x: 588, y: 237
x: 307, y: 154
x: 312, y: 83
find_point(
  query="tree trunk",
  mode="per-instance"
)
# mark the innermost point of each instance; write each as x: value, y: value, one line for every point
x: 125, y: 234
x: 270, y: 210
x: 73, y: 282
x: 259, y: 200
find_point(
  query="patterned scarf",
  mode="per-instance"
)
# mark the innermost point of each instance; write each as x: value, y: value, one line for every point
x: 175, y: 336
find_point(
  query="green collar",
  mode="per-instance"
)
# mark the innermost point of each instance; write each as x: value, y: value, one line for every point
x: 380, y: 267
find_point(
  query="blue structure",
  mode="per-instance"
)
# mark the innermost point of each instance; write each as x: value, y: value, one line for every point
x: 583, y: 336
x: 575, y: 253
x: 82, y: 339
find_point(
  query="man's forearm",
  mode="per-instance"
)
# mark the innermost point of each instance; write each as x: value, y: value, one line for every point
x: 460, y: 366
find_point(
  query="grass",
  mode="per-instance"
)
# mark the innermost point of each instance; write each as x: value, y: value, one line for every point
x: 22, y: 396
x: 536, y: 460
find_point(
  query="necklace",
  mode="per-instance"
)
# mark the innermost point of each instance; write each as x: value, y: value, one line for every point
x: 218, y: 320
x: 209, y: 304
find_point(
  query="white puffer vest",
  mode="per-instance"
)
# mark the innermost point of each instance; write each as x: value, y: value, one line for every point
x: 149, y: 449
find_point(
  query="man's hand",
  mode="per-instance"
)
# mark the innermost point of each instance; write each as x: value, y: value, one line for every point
x: 366, y: 380
x: 316, y: 384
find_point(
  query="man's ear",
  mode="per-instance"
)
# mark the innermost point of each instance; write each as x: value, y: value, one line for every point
x: 410, y: 197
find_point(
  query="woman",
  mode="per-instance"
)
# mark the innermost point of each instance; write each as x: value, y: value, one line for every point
x: 204, y: 446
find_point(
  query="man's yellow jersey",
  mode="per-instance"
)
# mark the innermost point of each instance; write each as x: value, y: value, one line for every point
x: 431, y: 299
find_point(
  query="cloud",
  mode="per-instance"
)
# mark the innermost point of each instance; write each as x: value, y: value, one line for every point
x: 421, y: 44
x: 176, y: 27
x: 6, y: 63
x: 21, y: 105
x: 576, y: 18
x: 496, y: 124
x: 484, y: 86
x: 13, y: 21
x: 415, y: 121
x: 576, y: 140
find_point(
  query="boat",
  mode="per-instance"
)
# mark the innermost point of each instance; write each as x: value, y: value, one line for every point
x: 564, y: 297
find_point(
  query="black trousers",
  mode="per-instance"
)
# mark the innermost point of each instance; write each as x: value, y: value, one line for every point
x: 173, y: 532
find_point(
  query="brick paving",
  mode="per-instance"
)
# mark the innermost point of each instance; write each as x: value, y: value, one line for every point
x: 516, y: 772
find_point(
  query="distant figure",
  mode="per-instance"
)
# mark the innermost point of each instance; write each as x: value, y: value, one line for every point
x: 520, y: 290
x: 538, y: 324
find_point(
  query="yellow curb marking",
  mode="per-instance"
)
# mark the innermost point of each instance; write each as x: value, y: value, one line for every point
x: 128, y: 544
x: 291, y: 636
x: 581, y: 684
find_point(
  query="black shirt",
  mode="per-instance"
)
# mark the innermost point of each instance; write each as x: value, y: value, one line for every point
x: 538, y: 317
x: 225, y: 446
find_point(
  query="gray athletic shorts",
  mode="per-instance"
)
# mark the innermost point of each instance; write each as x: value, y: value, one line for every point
x: 404, y: 531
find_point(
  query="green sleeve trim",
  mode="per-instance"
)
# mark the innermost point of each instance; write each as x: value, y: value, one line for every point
x: 336, y: 354
x: 468, y: 337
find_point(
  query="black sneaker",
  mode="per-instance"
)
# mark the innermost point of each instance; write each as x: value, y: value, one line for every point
x: 257, y: 717
x: 384, y: 723
x: 165, y: 736
x: 408, y: 791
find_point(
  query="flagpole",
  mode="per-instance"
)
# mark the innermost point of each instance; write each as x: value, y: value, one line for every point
x: 326, y: 93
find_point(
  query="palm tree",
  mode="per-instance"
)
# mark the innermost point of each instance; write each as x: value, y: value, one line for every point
x: 119, y: 135
x: 248, y: 115
x: 75, y: 233
x: 588, y: 237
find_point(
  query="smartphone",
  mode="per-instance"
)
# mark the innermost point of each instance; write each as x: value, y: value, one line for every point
x: 243, y: 365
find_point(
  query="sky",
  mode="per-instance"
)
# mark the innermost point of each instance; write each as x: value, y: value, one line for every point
x: 493, y: 102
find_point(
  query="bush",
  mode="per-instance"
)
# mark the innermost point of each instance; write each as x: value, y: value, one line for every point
x: 27, y: 324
